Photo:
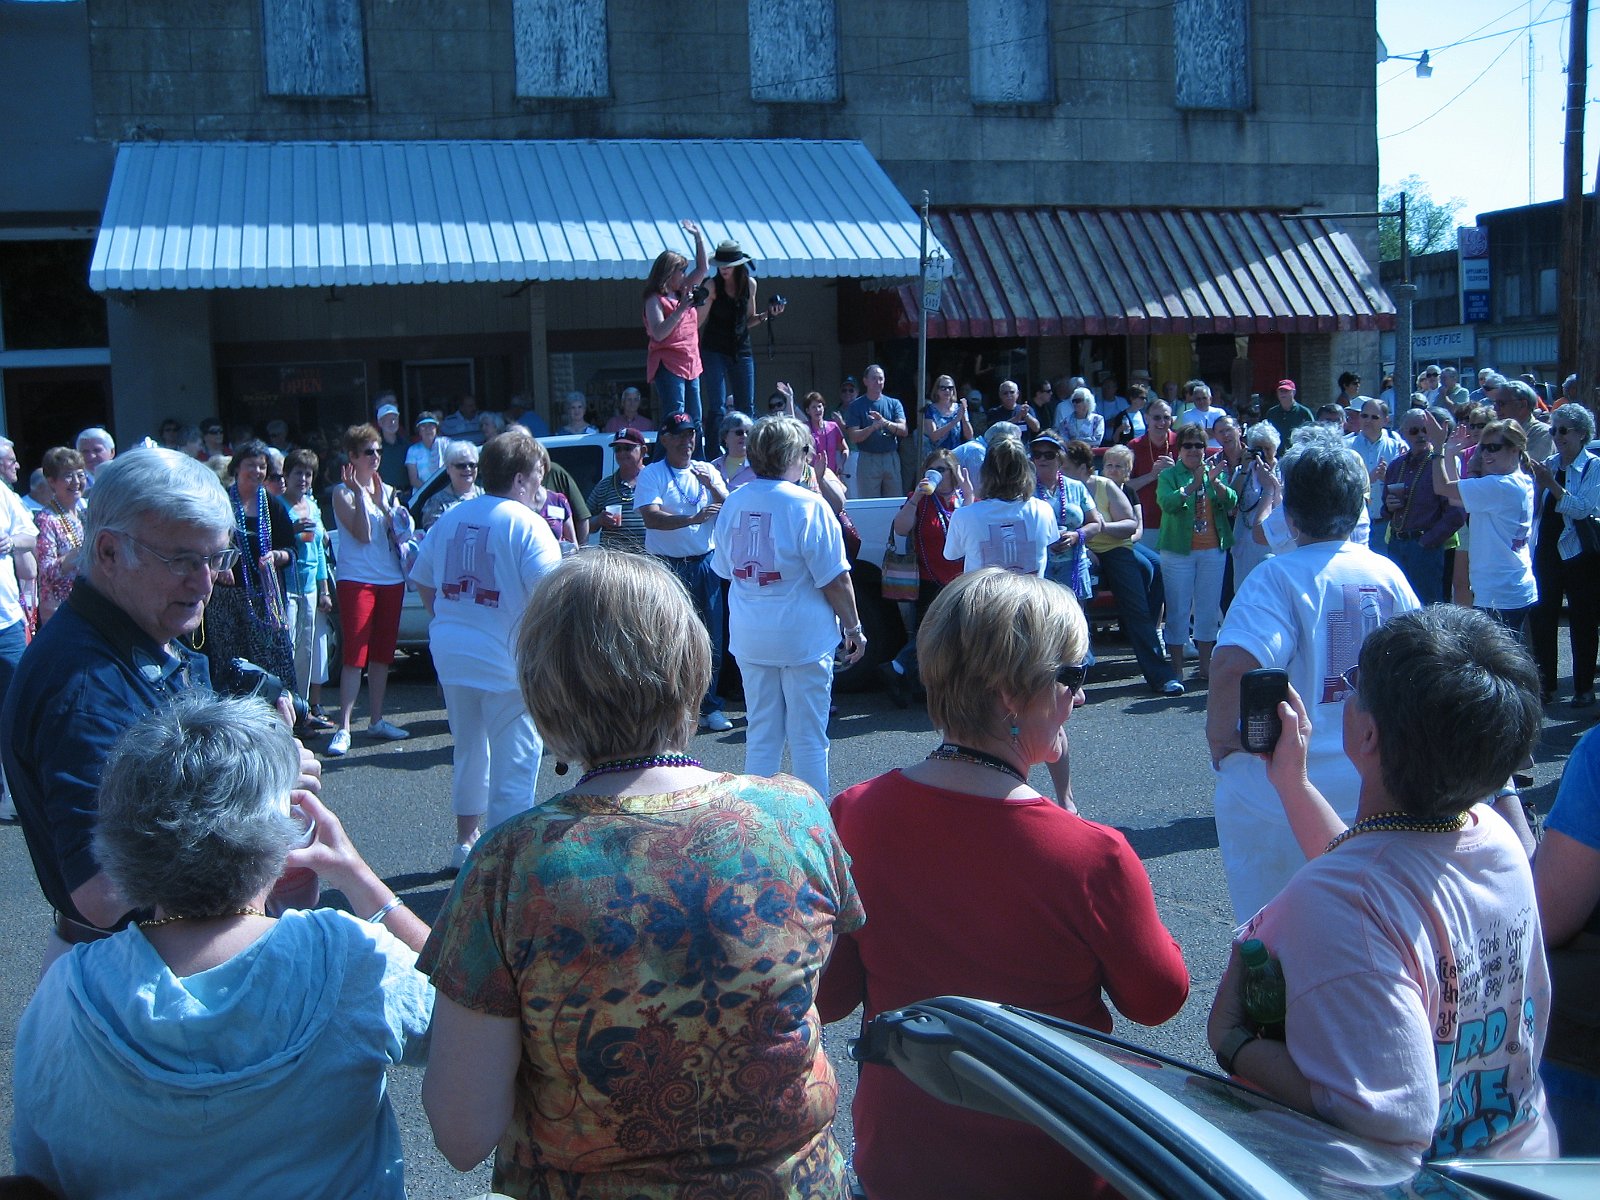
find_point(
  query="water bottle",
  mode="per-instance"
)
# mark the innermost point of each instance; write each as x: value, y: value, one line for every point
x: 1265, y: 999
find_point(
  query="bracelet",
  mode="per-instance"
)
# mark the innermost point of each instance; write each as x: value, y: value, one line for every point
x: 377, y: 917
x: 856, y: 631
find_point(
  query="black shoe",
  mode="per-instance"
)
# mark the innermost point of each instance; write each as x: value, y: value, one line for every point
x: 1583, y: 700
x: 896, y: 684
x: 1547, y: 696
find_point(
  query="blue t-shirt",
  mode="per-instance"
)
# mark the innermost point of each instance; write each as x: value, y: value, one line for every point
x: 857, y: 417
x: 1577, y: 808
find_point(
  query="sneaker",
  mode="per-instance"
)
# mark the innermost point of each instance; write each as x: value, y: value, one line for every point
x: 716, y: 721
x: 338, y: 744
x: 1172, y: 688
x: 386, y: 731
x: 896, y: 684
x: 458, y: 856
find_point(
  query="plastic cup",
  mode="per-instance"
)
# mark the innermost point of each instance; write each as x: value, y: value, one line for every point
x: 297, y: 887
x: 614, y: 510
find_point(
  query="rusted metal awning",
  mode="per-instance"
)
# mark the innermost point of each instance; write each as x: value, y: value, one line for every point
x: 1041, y: 272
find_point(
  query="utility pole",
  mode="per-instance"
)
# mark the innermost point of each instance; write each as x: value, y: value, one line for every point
x: 1572, y: 354
x: 1405, y: 297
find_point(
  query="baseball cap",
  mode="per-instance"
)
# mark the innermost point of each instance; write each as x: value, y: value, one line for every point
x: 1287, y: 385
x: 387, y: 410
x: 1049, y: 437
x: 678, y: 422
x: 632, y: 436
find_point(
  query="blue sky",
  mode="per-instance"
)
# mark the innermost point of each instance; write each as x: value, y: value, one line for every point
x: 1465, y: 130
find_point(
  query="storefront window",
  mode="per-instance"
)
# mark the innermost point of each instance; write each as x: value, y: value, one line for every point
x: 45, y: 301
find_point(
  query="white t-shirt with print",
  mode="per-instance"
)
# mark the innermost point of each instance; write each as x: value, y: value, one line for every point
x: 482, y: 558
x: 777, y: 545
x: 680, y: 493
x: 1014, y: 534
x: 1306, y: 611
x: 1501, y: 565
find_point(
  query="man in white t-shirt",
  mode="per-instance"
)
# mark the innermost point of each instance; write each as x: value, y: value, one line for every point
x: 479, y: 564
x: 1200, y: 412
x: 17, y: 536
x: 678, y: 498
x: 1306, y: 611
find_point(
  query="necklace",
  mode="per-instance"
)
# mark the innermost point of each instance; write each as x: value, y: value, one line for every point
x: 70, y: 525
x: 644, y: 762
x: 1399, y: 822
x: 238, y: 912
x: 952, y: 752
x: 260, y: 587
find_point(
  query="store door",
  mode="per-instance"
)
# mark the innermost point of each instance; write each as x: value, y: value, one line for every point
x: 50, y: 406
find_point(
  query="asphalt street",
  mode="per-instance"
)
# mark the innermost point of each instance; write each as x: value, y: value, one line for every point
x: 1139, y: 763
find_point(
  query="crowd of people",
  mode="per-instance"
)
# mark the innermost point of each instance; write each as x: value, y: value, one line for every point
x: 624, y: 993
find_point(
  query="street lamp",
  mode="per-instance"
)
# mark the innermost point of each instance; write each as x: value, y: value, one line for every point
x: 1424, y: 67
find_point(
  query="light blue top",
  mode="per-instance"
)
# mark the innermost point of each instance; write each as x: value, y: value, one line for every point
x: 262, y: 1077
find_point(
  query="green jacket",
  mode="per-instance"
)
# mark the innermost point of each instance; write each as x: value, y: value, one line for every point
x: 1177, y: 509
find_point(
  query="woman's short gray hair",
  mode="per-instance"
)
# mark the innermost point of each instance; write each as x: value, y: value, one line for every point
x: 1262, y: 433
x: 194, y: 805
x: 460, y: 452
x: 992, y: 632
x: 1576, y: 414
x: 155, y: 485
x: 1324, y: 484
x: 777, y: 443
x: 731, y: 420
x: 612, y: 660
x: 1084, y: 396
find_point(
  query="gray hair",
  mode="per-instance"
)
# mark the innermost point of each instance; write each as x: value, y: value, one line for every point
x: 731, y: 420
x: 1324, y: 484
x: 1083, y: 396
x: 460, y: 452
x: 1495, y: 380
x: 193, y: 805
x: 96, y: 434
x: 1521, y: 391
x: 1001, y: 430
x: 492, y: 419
x: 1263, y: 433
x: 777, y: 443
x: 155, y: 485
x: 1578, y: 415
x: 1446, y: 418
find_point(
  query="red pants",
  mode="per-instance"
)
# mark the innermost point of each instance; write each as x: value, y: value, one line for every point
x: 369, y: 620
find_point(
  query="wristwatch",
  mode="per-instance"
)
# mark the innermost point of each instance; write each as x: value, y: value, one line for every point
x: 1235, y: 1040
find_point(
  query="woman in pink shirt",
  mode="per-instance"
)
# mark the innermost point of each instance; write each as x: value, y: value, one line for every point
x: 674, y: 309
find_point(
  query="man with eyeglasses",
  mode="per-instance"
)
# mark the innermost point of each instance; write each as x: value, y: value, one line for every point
x: 1515, y: 401
x: 1418, y: 522
x: 157, y: 536
x: 621, y: 527
x: 1376, y: 446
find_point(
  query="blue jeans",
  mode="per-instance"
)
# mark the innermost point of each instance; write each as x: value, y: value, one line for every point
x: 1422, y: 566
x: 724, y: 373
x: 674, y: 394
x: 1130, y: 577
x: 705, y: 589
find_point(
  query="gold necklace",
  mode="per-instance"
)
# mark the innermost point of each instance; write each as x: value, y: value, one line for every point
x: 1399, y: 822
x: 238, y: 912
x: 69, y: 524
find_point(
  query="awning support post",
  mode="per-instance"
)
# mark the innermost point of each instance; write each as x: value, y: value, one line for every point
x: 922, y: 314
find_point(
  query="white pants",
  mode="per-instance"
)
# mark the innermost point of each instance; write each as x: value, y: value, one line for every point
x: 1192, y: 582
x: 497, y: 753
x: 308, y: 626
x: 788, y: 704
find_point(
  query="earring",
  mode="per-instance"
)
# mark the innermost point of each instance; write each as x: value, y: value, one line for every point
x: 1014, y: 730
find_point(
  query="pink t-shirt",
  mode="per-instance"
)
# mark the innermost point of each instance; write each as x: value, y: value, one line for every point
x: 1418, y: 996
x: 679, y: 351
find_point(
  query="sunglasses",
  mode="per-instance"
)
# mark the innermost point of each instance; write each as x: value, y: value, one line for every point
x: 1048, y: 455
x: 1565, y: 429
x: 1492, y: 447
x: 1478, y: 425
x: 1072, y: 675
x: 1192, y: 446
x: 1413, y: 430
x: 370, y: 452
x: 1161, y: 417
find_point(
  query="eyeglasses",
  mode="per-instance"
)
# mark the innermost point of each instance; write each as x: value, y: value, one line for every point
x: 1565, y: 429
x: 1492, y: 447
x: 1072, y: 676
x: 947, y: 387
x: 1047, y: 455
x: 1165, y: 418
x: 1414, y: 430
x: 186, y: 564
x: 278, y: 478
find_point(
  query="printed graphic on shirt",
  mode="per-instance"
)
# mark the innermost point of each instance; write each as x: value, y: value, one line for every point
x: 1365, y: 607
x: 1479, y: 1102
x: 469, y: 568
x: 1009, y: 546
x: 751, y: 550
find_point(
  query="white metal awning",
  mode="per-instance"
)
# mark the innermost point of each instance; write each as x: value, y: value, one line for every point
x: 318, y: 214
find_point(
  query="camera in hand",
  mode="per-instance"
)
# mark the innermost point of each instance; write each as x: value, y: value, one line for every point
x: 777, y: 301
x: 698, y: 295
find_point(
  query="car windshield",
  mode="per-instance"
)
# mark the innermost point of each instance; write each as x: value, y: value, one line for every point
x: 1317, y: 1158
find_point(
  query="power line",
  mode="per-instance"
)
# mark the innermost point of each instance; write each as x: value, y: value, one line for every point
x: 1508, y: 47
